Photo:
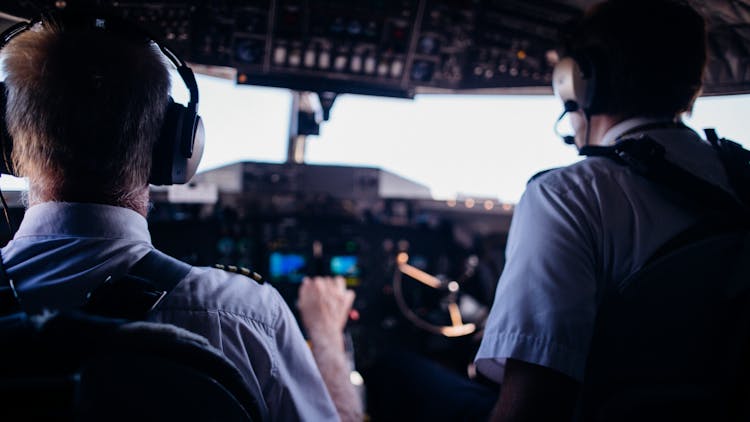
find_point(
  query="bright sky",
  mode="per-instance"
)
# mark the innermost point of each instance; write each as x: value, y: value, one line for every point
x: 484, y: 146
x: 476, y: 145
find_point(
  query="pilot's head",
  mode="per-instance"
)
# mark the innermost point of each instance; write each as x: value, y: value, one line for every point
x: 84, y: 109
x: 639, y: 57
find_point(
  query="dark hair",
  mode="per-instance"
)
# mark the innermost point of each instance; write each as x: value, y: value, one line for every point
x: 649, y: 56
x: 85, y: 107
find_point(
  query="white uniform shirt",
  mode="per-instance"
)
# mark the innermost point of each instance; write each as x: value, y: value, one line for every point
x: 63, y: 250
x: 575, y: 232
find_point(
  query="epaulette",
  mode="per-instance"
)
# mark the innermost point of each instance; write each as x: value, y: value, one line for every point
x: 540, y: 174
x: 242, y: 270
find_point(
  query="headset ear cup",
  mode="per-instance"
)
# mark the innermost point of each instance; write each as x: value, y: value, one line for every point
x: 198, y: 144
x: 574, y: 80
x: 569, y: 83
x: 163, y: 157
x: 6, y: 142
x: 180, y: 147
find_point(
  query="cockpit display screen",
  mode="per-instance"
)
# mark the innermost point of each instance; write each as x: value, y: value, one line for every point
x: 344, y: 265
x: 287, y: 267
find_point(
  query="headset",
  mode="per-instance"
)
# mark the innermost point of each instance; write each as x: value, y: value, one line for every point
x: 574, y: 80
x: 178, y: 150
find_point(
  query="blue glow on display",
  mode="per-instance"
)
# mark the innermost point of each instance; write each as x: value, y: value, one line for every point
x: 287, y: 267
x: 345, y: 265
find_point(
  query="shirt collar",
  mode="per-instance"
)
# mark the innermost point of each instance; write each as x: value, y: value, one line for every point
x: 610, y: 138
x: 83, y: 220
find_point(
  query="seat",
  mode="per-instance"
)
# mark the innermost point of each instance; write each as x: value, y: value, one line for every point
x: 76, y: 366
x: 674, y: 342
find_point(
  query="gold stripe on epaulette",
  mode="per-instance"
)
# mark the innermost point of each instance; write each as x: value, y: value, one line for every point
x: 247, y: 272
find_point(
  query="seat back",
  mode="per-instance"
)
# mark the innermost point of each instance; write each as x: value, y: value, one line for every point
x: 80, y: 367
x: 673, y: 342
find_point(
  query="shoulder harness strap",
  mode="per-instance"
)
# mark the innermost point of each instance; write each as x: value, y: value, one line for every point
x: 723, y: 212
x: 736, y: 160
x: 141, y: 290
x: 131, y: 297
x: 646, y: 157
x: 9, y: 302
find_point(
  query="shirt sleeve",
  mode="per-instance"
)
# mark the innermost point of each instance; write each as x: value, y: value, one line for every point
x: 300, y: 393
x: 255, y: 329
x: 545, y: 302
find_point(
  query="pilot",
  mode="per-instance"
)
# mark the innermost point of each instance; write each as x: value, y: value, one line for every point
x: 85, y: 106
x: 578, y: 230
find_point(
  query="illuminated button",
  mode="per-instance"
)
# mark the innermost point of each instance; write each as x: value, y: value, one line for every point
x: 295, y: 58
x: 279, y: 55
x: 396, y: 68
x: 428, y: 45
x: 521, y: 55
x: 340, y: 63
x: 309, y: 58
x: 356, y: 64
x: 383, y: 69
x: 324, y: 60
x: 370, y: 65
x: 422, y: 71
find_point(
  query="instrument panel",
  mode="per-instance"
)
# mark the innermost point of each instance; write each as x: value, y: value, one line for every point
x: 424, y: 270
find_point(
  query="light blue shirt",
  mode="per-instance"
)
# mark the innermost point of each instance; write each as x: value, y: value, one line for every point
x: 63, y: 250
x: 576, y: 232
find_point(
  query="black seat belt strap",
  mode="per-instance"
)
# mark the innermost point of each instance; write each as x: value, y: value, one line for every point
x: 144, y: 287
x: 646, y: 157
x: 9, y: 301
x: 736, y: 160
x: 161, y: 269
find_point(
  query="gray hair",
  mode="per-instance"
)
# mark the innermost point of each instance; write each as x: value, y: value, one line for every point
x: 84, y: 109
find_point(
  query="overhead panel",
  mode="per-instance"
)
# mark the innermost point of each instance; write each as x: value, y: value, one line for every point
x: 395, y: 47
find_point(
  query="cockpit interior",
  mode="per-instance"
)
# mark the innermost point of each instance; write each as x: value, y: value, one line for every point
x: 424, y: 267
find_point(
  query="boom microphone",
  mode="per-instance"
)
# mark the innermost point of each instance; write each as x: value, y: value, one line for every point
x: 570, y: 107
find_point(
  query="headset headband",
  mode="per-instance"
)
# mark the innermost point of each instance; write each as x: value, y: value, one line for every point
x: 179, y: 148
x: 118, y: 26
